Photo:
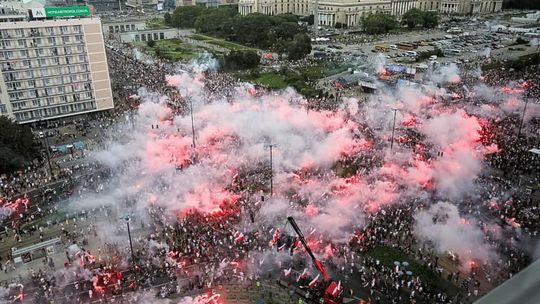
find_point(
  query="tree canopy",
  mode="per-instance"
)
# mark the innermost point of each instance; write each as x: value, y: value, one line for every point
x: 17, y: 147
x: 521, y: 4
x: 415, y: 17
x: 276, y: 33
x: 245, y: 59
x: 379, y: 23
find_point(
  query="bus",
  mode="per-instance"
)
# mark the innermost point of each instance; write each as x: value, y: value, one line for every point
x: 382, y: 48
x: 406, y: 46
x: 531, y: 35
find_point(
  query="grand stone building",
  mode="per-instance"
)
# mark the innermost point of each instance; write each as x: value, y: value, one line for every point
x: 461, y: 7
x: 329, y: 12
x: 350, y: 12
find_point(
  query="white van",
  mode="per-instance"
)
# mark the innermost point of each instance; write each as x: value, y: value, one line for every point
x: 411, y: 54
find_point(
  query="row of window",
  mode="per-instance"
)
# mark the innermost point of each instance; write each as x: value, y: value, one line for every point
x: 21, y: 98
x: 150, y: 36
x: 36, y: 32
x: 53, y: 111
x: 33, y: 89
x: 32, y: 42
x: 50, y: 101
x: 121, y: 28
x: 53, y: 51
x: 46, y: 72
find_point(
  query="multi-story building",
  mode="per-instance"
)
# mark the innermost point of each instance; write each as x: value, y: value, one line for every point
x: 52, y: 69
x: 350, y: 12
x: 205, y: 3
x: 400, y: 7
x: 462, y: 7
x: 347, y: 12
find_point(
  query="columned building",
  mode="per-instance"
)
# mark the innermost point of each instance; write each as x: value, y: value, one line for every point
x: 400, y: 7
x: 461, y: 7
x: 330, y: 12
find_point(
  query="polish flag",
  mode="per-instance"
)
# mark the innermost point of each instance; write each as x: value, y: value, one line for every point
x: 302, y: 275
x: 336, y: 290
x: 238, y: 237
x: 312, y: 283
x: 287, y: 272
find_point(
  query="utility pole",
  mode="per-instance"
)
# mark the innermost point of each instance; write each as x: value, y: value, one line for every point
x: 523, y: 116
x: 271, y: 172
x: 393, y: 129
x: 127, y: 219
x: 192, y: 124
x: 47, y: 147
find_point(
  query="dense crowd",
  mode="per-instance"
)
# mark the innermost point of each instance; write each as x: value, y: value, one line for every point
x: 202, y: 250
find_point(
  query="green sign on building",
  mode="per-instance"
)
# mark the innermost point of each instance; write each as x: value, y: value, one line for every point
x: 68, y: 11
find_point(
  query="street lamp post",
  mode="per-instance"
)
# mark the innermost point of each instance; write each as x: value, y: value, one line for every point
x: 393, y: 129
x: 271, y: 146
x: 47, y: 147
x: 523, y: 116
x: 192, y: 123
x: 127, y: 219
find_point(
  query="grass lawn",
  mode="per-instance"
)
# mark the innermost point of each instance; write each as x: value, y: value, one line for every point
x: 200, y: 37
x: 172, y: 49
x: 387, y: 256
x: 219, y: 42
x: 271, y: 80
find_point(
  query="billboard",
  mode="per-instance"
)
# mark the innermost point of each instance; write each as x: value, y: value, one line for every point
x: 67, y: 11
x: 38, y: 12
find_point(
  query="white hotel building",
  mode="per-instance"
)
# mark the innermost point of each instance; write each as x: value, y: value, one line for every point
x: 52, y: 69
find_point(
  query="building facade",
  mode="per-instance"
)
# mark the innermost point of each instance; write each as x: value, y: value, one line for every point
x: 330, y: 13
x: 52, y: 69
x: 350, y: 12
x: 400, y: 7
x: 461, y: 7
x: 205, y: 3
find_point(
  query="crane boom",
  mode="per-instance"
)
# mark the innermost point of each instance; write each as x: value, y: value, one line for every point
x: 316, y: 262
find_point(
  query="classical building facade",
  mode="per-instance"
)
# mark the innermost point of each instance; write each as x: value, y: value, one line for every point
x: 52, y: 69
x: 329, y: 12
x: 461, y: 7
x: 205, y: 3
x: 350, y: 12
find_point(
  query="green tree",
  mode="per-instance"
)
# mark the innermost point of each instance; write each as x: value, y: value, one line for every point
x: 378, y: 23
x: 167, y: 19
x: 245, y: 59
x: 299, y: 47
x: 212, y: 21
x: 413, y: 17
x: 151, y: 43
x: 185, y: 16
x: 17, y: 145
x: 521, y: 4
x: 430, y: 19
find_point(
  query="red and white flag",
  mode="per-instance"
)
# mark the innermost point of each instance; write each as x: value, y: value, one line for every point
x: 302, y: 275
x: 312, y: 283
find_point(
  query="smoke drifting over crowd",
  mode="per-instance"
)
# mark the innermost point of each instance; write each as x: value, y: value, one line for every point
x: 421, y: 146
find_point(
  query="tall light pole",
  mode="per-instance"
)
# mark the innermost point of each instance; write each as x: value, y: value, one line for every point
x: 393, y: 129
x: 192, y: 123
x: 523, y: 116
x: 271, y: 146
x: 47, y: 147
x: 127, y: 219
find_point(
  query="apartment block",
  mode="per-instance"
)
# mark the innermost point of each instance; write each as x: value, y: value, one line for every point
x: 53, y: 68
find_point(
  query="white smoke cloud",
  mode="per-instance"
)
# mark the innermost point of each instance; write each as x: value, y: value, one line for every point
x: 442, y: 225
